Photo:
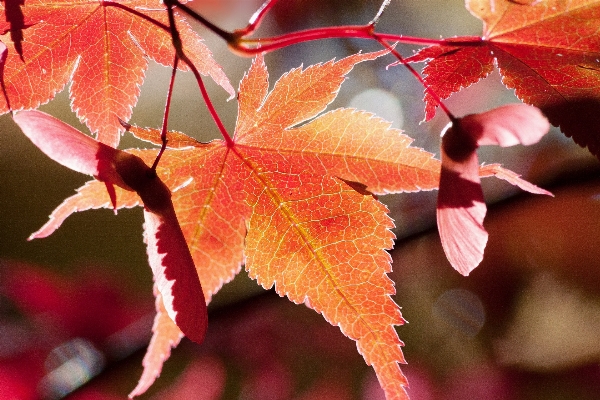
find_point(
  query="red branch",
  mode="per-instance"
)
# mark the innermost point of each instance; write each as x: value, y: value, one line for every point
x: 239, y: 43
x: 249, y: 47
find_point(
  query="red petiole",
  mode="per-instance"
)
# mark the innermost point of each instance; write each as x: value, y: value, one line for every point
x: 165, y: 123
x: 241, y: 44
x: 181, y: 55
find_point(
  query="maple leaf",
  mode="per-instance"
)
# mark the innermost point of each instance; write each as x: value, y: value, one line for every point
x: 546, y: 50
x: 461, y: 207
x: 275, y: 199
x: 99, y: 46
x: 168, y: 254
x: 293, y: 201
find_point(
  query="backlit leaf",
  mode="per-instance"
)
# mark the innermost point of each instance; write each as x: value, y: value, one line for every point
x: 548, y: 51
x: 294, y: 203
x: 100, y: 47
x: 274, y: 200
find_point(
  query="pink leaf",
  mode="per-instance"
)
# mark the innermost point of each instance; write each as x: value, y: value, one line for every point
x: 460, y: 213
x: 461, y: 208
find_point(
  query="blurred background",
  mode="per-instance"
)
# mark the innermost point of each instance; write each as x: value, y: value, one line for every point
x: 76, y: 308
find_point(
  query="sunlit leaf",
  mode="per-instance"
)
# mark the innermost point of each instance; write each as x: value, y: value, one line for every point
x: 100, y: 47
x: 548, y: 51
x: 295, y: 202
x: 168, y: 254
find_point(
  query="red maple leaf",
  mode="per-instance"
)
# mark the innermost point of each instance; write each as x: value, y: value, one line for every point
x: 546, y: 50
x: 291, y: 199
x: 101, y: 47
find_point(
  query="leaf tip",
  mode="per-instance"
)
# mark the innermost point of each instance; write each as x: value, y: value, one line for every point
x: 124, y: 124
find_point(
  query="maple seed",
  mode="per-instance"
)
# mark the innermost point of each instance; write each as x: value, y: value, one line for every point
x: 458, y: 146
x: 461, y: 206
x: 168, y: 255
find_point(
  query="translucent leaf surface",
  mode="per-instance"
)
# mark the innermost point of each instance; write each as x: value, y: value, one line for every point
x: 548, y: 51
x: 100, y: 47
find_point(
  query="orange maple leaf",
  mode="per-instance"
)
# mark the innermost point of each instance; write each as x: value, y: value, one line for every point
x: 99, y: 46
x: 276, y: 199
x: 293, y: 201
x: 546, y: 50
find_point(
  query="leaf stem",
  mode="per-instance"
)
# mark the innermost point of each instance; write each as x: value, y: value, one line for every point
x: 227, y: 36
x: 165, y: 123
x: 180, y: 53
x: 418, y: 76
x: 256, y: 19
x: 163, y: 133
x: 209, y: 104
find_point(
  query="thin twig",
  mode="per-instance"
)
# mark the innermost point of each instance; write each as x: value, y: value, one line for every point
x: 165, y: 123
x: 377, y: 16
x: 250, y: 47
x: 180, y: 53
x: 414, y: 72
x: 241, y: 44
x: 256, y: 19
